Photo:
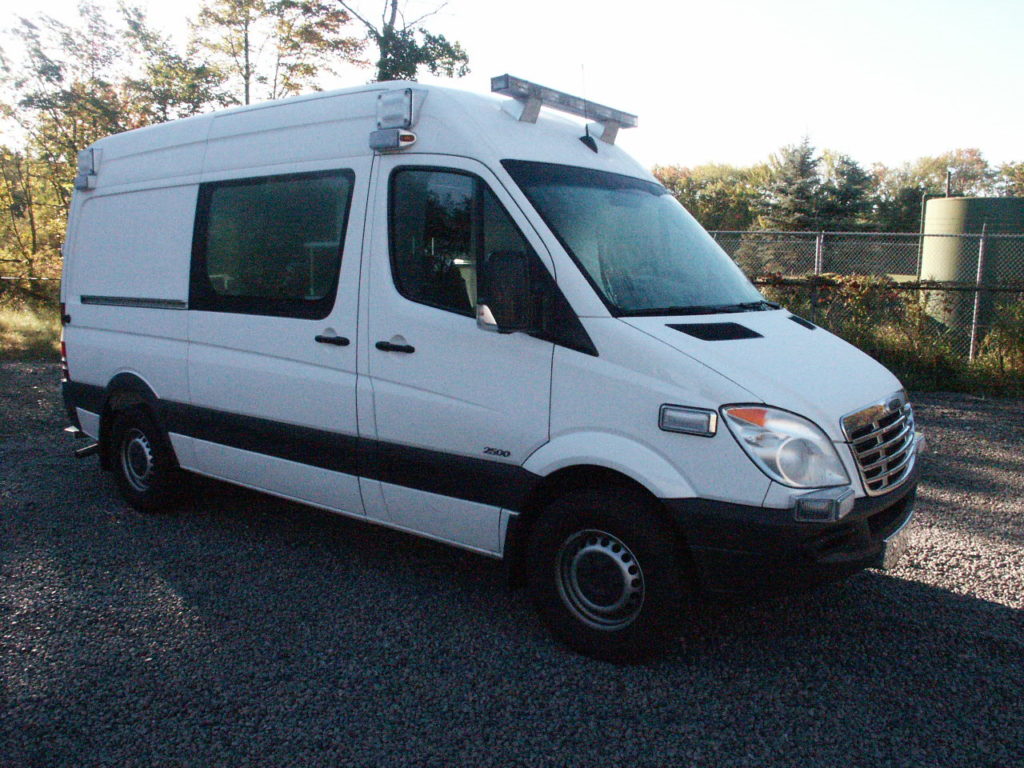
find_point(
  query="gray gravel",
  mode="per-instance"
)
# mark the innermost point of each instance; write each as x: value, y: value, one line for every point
x: 244, y: 630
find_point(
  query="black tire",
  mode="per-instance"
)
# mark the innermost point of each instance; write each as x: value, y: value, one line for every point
x: 143, y: 461
x: 607, y: 575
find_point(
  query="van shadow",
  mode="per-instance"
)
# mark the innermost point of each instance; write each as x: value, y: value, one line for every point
x: 248, y: 629
x: 888, y: 663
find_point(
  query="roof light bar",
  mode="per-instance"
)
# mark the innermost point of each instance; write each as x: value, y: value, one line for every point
x: 533, y: 97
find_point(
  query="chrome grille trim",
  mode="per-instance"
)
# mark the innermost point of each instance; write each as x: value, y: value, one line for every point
x: 882, y: 439
x: 898, y: 469
x: 907, y: 430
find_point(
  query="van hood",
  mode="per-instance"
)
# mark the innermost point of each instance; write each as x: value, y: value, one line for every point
x: 780, y: 361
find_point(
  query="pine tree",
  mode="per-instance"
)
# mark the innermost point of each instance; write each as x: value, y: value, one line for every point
x: 790, y: 196
x: 845, y: 197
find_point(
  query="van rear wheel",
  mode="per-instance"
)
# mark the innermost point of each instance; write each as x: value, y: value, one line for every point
x: 144, y: 465
x: 606, y: 575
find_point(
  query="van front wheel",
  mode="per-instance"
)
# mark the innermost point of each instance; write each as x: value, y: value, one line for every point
x: 143, y: 461
x: 606, y: 575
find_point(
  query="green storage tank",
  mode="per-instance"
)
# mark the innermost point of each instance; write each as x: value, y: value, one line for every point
x: 955, y: 259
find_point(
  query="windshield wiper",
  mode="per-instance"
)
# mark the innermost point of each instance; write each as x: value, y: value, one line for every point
x: 759, y: 306
x: 706, y: 309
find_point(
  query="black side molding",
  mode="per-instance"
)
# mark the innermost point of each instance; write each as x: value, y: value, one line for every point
x: 469, y: 478
x: 134, y: 301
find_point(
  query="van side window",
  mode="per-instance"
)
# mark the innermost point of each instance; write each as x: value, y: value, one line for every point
x: 442, y: 224
x: 272, y: 245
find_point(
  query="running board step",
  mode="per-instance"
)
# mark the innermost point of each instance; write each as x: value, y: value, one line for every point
x: 88, y: 450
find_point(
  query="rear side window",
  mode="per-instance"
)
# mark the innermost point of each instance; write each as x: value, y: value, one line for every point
x: 442, y: 224
x: 270, y: 245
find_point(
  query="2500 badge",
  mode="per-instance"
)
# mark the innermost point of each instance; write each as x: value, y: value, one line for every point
x: 497, y: 452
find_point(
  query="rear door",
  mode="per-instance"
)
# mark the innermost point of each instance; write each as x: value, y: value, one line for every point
x: 272, y: 331
x: 457, y: 409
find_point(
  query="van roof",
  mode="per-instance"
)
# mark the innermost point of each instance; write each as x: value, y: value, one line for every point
x: 319, y: 127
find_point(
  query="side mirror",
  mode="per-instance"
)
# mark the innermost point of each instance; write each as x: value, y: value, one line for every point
x: 505, y: 300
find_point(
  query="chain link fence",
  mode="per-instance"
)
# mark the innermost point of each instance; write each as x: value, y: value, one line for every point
x: 937, y: 298
x: 961, y: 296
x: 39, y: 292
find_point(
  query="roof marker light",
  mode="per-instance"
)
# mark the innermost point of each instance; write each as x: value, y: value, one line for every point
x: 395, y: 109
x: 391, y: 138
x: 88, y: 167
x: 533, y: 97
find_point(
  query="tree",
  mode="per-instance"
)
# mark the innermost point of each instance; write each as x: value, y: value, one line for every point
x: 72, y: 85
x: 64, y: 95
x: 720, y: 197
x: 28, y: 226
x: 1010, y: 180
x: 970, y: 174
x: 789, y: 197
x: 900, y: 190
x: 169, y: 85
x: 899, y: 193
x: 403, y: 46
x: 274, y: 48
x: 845, y: 196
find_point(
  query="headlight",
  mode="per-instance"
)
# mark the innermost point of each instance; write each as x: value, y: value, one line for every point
x: 788, y: 448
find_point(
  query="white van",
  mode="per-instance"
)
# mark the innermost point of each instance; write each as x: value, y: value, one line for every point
x: 477, y: 320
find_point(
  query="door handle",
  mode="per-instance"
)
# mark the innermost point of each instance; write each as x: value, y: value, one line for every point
x: 338, y: 341
x: 387, y: 346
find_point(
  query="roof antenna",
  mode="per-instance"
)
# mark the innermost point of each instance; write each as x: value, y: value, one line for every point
x: 587, y: 139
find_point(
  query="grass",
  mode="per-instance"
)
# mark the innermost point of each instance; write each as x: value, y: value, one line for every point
x: 29, y: 334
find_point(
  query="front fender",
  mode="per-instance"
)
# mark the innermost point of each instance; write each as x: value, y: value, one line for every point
x: 615, y: 452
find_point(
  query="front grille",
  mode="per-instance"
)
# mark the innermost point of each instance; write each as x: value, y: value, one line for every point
x: 882, y: 439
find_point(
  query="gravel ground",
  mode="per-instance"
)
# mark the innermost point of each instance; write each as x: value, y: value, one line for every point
x: 245, y: 630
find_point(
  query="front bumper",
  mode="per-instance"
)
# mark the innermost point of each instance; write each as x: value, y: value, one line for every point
x: 740, y: 549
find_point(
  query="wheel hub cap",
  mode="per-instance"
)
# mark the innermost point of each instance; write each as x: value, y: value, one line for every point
x: 137, y: 459
x: 600, y: 580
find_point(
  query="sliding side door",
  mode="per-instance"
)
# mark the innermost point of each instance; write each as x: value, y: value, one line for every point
x: 272, y: 332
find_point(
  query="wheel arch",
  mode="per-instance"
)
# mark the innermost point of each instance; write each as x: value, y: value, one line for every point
x: 618, y: 453
x: 560, y: 482
x: 123, y: 391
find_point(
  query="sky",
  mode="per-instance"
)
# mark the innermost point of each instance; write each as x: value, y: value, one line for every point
x: 732, y: 81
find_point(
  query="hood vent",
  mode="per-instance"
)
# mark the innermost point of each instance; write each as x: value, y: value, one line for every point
x: 805, y: 323
x: 717, y: 331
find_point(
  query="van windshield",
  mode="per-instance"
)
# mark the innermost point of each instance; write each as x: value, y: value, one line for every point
x: 636, y: 244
